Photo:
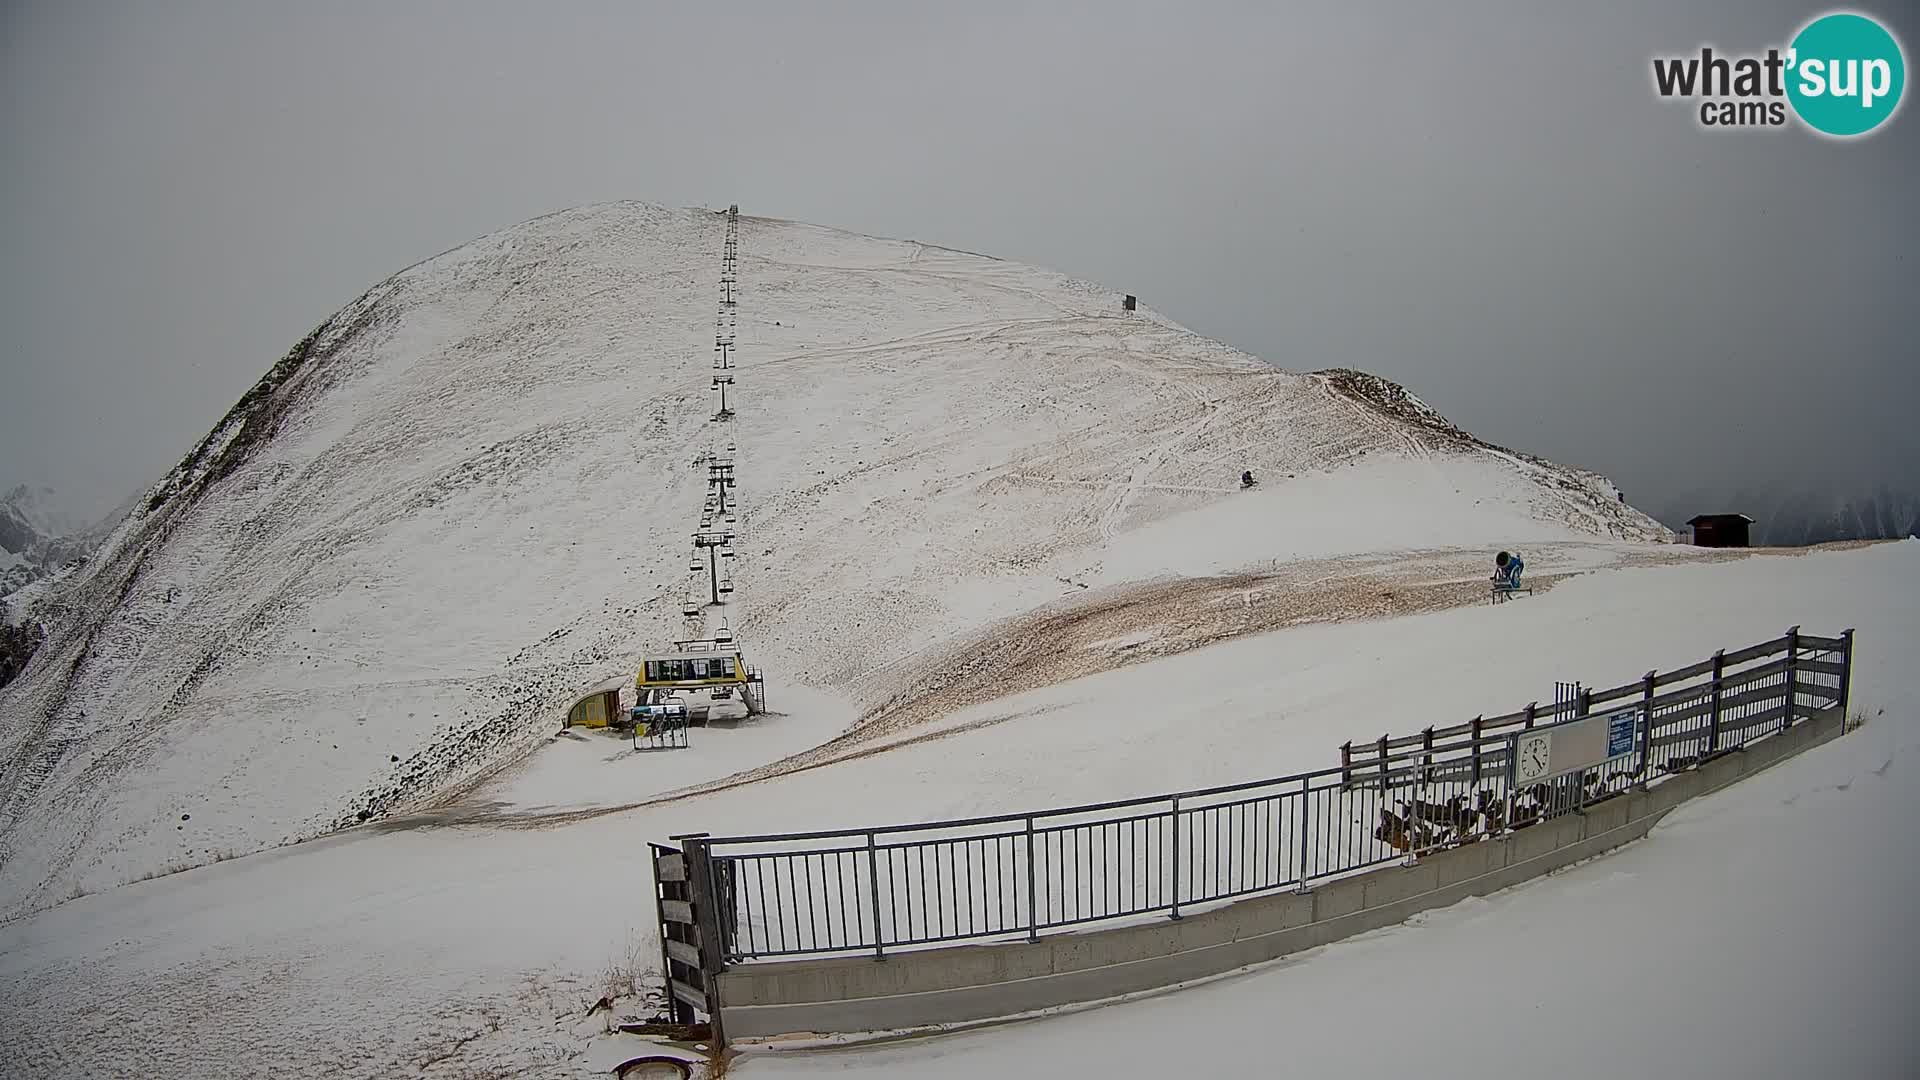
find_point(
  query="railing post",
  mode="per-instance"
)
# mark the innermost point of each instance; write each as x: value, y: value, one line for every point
x: 1176, y: 858
x: 1646, y: 727
x: 700, y: 891
x: 1426, y: 751
x: 1033, y: 909
x: 873, y: 885
x: 1793, y: 690
x: 1713, y: 722
x: 1305, y: 871
x: 1346, y: 765
x: 1513, y: 761
x: 1383, y: 765
x: 1582, y: 706
x: 1846, y: 677
x: 1417, y: 784
x: 1513, y: 779
x: 1476, y: 749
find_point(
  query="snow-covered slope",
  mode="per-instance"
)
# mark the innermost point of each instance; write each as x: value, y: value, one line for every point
x: 465, y: 498
x: 1764, y: 931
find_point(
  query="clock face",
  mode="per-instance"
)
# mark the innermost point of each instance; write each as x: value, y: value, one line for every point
x: 1533, y: 757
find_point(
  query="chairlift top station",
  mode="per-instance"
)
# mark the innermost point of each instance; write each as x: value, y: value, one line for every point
x: 692, y: 665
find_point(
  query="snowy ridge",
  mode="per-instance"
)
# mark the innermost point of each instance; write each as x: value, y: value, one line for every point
x: 462, y: 500
x: 1585, y: 497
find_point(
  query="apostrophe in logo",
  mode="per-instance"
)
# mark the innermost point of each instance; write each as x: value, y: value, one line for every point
x: 1845, y: 74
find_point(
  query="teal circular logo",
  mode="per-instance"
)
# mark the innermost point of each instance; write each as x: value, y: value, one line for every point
x: 1845, y: 74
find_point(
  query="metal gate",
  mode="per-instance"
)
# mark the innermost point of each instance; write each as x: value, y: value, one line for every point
x: 691, y: 949
x: 660, y: 733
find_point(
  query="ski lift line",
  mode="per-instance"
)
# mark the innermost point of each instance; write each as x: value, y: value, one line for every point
x: 721, y: 468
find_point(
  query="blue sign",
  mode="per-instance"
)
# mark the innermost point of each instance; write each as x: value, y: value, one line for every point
x: 1620, y: 728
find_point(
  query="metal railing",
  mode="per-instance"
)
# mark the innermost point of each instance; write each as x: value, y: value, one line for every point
x: 1018, y: 875
x: 657, y: 732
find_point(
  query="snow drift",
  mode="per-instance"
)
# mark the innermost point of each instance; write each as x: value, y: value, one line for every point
x: 465, y: 497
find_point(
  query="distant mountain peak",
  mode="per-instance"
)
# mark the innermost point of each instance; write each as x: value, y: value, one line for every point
x: 37, y: 539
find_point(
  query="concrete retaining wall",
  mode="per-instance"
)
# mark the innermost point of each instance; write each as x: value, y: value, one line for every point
x: 981, y: 982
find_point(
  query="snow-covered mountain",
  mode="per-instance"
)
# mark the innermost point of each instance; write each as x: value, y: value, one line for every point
x: 38, y: 541
x: 464, y: 499
x: 35, y: 538
x: 38, y: 544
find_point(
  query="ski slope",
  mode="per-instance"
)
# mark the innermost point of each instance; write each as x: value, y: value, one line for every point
x: 1759, y: 931
x: 465, y: 498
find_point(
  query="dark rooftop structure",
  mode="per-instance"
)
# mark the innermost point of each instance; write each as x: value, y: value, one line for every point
x: 1720, y: 530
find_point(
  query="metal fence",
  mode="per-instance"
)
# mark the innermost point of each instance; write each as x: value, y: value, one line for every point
x: 1013, y: 875
x: 661, y: 733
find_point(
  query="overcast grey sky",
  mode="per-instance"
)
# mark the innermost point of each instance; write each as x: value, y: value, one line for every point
x: 1483, y: 201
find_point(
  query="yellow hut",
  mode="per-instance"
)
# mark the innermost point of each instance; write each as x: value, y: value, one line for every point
x: 599, y: 708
